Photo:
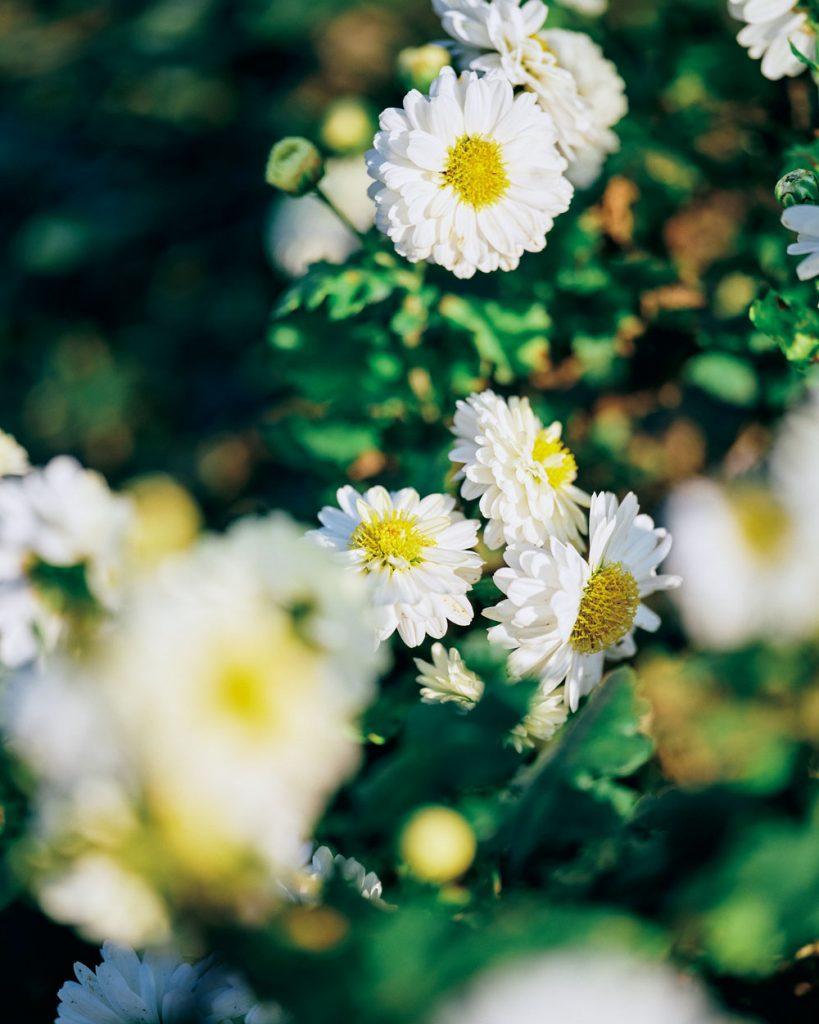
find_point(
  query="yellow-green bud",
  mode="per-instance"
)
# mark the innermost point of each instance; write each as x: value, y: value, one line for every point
x: 419, y: 66
x: 797, y: 187
x: 295, y: 166
x: 348, y: 126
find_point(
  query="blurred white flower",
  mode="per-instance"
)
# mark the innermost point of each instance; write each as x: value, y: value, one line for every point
x: 447, y: 679
x: 304, y: 231
x: 565, y: 614
x: 415, y: 554
x: 804, y: 220
x: 60, y: 516
x: 771, y: 26
x: 13, y: 457
x: 581, y: 986
x: 546, y: 714
x: 589, y: 7
x: 566, y: 71
x: 322, y: 866
x: 520, y: 469
x: 101, y: 898
x: 231, y: 1001
x: 603, y: 91
x: 468, y: 177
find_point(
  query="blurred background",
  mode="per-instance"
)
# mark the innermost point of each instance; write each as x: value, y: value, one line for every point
x: 145, y: 255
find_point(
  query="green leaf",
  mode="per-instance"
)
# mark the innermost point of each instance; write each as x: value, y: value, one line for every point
x: 792, y: 323
x: 724, y: 376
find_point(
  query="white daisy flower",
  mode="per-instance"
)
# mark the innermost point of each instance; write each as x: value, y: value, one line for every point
x: 566, y: 71
x: 522, y: 472
x: 584, y: 986
x: 13, y: 456
x: 805, y: 221
x: 468, y: 177
x: 447, y: 679
x: 565, y: 614
x: 415, y: 554
x: 59, y: 516
x: 304, y: 231
x: 125, y: 988
x: 771, y: 26
x: 603, y: 91
x: 546, y: 714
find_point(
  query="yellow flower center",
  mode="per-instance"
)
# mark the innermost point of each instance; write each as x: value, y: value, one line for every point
x: 557, y: 461
x: 243, y: 692
x: 390, y: 540
x: 476, y: 171
x: 762, y: 521
x: 607, y: 609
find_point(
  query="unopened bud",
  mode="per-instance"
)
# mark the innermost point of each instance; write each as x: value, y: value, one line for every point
x: 438, y: 845
x: 348, y: 126
x: 797, y: 187
x: 419, y: 66
x: 294, y: 166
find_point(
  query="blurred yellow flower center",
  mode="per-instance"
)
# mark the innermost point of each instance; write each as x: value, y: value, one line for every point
x: 558, y: 462
x: 476, y: 171
x: 607, y: 609
x: 243, y: 692
x: 762, y: 521
x: 391, y: 538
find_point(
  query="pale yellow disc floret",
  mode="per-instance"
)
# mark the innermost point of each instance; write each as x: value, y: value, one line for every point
x: 558, y: 462
x: 607, y: 609
x: 475, y: 170
x: 393, y: 537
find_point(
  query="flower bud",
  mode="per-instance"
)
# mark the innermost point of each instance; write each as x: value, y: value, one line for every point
x: 800, y: 186
x: 348, y: 126
x: 419, y: 66
x: 294, y: 166
x: 438, y: 844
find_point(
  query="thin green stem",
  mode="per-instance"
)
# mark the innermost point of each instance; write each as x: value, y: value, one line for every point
x: 345, y: 220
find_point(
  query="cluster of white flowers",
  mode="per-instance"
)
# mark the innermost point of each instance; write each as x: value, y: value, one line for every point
x: 211, y: 720
x: 159, y: 988
x: 748, y: 552
x: 565, y: 611
x: 52, y: 520
x: 473, y: 175
x: 771, y: 28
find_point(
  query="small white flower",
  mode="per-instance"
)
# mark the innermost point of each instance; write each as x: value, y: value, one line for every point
x: 546, y: 714
x: 64, y: 516
x: 447, y: 679
x: 323, y: 866
x: 565, y: 614
x: 566, y: 71
x: 13, y: 457
x: 581, y: 986
x: 304, y: 231
x: 602, y: 90
x: 520, y: 469
x: 771, y: 26
x: 126, y: 988
x: 415, y: 554
x: 468, y: 177
x: 804, y: 220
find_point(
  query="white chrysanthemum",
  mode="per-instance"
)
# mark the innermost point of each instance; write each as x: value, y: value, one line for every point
x: 805, y: 221
x: 304, y: 231
x: 233, y: 1002
x: 520, y: 469
x: 581, y: 986
x: 323, y: 865
x: 415, y: 554
x: 447, y: 679
x: 13, y: 456
x: 565, y: 614
x: 566, y: 71
x: 546, y: 714
x: 126, y: 988
x: 771, y: 26
x: 602, y: 89
x: 103, y: 899
x: 468, y: 177
x: 64, y: 516
x: 236, y: 676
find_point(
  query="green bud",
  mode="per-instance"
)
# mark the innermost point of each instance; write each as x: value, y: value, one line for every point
x: 295, y: 166
x: 348, y: 126
x: 419, y: 66
x: 797, y: 187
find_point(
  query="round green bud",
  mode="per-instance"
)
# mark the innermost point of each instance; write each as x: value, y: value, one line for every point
x: 295, y: 166
x: 419, y: 66
x: 348, y: 126
x: 797, y: 187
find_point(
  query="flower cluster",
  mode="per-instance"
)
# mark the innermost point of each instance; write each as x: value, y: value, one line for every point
x: 773, y: 30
